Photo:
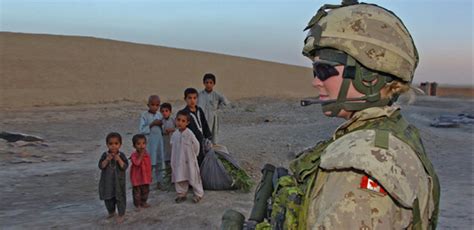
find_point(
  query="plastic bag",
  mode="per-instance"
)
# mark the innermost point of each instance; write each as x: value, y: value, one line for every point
x: 213, y: 173
x: 220, y: 171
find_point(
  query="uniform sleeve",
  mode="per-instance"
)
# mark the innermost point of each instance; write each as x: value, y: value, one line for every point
x: 377, y: 185
x: 341, y: 203
x: 144, y: 127
x: 397, y: 167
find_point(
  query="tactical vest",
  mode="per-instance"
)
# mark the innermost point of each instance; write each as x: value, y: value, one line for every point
x: 290, y: 200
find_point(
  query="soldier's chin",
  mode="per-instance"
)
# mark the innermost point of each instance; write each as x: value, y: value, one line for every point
x: 327, y: 113
x: 341, y: 113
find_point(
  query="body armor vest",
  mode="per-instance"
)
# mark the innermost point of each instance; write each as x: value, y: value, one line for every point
x: 290, y: 198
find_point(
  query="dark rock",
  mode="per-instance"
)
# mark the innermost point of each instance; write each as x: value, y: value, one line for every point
x: 445, y: 124
x: 452, y: 121
x: 14, y: 137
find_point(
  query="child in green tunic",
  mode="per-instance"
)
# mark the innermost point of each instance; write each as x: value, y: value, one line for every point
x: 113, y: 164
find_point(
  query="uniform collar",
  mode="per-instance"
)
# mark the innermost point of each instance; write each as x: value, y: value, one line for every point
x: 361, y: 117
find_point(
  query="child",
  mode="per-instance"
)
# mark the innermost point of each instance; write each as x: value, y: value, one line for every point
x: 198, y: 123
x: 185, y: 168
x: 150, y: 126
x: 113, y: 164
x: 168, y: 129
x: 211, y: 101
x: 140, y: 172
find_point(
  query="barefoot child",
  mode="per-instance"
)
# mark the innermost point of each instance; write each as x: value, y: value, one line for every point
x: 168, y: 129
x: 113, y: 164
x: 211, y: 101
x: 140, y: 172
x: 150, y: 126
x: 198, y: 123
x: 184, y: 165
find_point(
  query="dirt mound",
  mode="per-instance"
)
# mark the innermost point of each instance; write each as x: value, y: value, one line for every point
x: 64, y: 70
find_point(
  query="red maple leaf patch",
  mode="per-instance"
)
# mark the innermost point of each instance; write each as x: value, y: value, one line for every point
x: 370, y: 184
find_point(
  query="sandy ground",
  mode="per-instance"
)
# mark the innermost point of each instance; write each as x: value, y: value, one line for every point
x: 70, y: 70
x: 54, y: 185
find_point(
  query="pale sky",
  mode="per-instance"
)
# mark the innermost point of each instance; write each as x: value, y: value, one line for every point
x: 263, y: 29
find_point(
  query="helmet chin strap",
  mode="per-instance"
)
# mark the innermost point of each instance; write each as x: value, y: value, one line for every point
x: 365, y: 82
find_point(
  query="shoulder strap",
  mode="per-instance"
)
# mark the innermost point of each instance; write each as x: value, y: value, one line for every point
x: 400, y: 128
x: 308, y: 161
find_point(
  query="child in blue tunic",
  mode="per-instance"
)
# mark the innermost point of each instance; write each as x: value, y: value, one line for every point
x: 168, y: 129
x: 211, y: 101
x: 150, y: 126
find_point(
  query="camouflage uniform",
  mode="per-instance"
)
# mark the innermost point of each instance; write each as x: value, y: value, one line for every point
x: 337, y: 200
x: 374, y: 172
x: 372, y: 43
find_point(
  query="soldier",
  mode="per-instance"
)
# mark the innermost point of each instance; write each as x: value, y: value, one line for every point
x: 373, y: 173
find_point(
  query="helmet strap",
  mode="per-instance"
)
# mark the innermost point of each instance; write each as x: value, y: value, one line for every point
x: 364, y: 81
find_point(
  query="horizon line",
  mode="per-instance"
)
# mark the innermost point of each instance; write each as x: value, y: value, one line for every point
x: 458, y: 85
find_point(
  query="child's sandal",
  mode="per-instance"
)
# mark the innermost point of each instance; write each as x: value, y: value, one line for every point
x: 196, y: 199
x: 180, y: 199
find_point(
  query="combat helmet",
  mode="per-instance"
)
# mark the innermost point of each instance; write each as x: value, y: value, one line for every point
x: 372, y: 43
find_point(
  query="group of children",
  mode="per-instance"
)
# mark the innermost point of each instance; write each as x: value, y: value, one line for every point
x: 167, y: 150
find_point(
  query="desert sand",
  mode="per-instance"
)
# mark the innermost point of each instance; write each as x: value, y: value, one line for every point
x: 67, y: 70
x: 63, y: 89
x: 54, y: 184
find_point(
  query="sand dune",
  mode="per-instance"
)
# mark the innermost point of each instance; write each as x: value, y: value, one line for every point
x: 62, y: 70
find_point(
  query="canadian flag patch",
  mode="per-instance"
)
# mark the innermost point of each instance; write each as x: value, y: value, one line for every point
x: 370, y: 184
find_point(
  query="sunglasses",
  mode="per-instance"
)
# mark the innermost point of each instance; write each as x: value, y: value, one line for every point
x: 324, y: 71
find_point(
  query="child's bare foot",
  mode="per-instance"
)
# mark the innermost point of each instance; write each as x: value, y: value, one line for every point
x: 196, y: 199
x: 120, y: 219
x: 111, y: 215
x: 145, y: 205
x: 180, y: 199
x: 159, y: 186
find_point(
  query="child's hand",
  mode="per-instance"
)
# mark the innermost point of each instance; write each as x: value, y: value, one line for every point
x: 110, y: 156
x: 116, y: 157
x: 156, y: 122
